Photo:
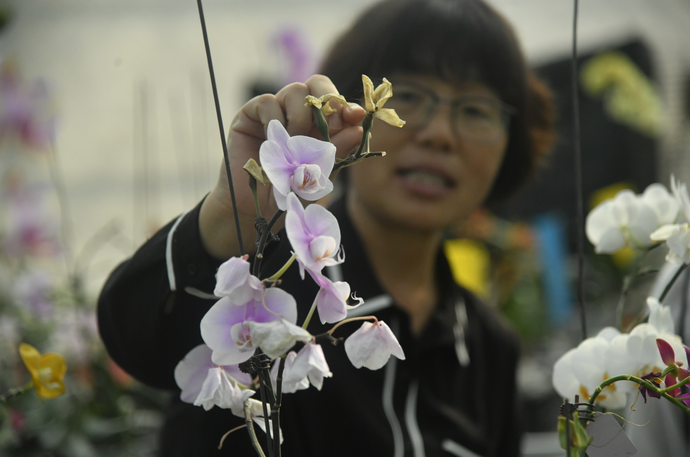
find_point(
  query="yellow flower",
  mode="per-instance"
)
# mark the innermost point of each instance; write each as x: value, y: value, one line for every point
x: 322, y: 102
x: 46, y: 370
x: 375, y: 99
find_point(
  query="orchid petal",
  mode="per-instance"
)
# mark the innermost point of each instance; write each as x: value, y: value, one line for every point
x: 666, y: 351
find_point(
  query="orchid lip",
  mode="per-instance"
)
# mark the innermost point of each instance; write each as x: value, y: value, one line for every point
x: 429, y: 175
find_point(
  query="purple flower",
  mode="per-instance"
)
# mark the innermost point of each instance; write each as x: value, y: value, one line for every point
x: 674, y: 372
x: 25, y: 111
x: 226, y: 326
x: 314, y: 235
x: 300, y: 164
x: 372, y: 345
x: 653, y: 378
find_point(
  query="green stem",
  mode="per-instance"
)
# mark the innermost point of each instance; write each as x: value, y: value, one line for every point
x: 671, y: 282
x: 16, y: 391
x: 676, y: 386
x: 367, y: 123
x: 284, y: 268
x: 642, y: 382
x: 311, y: 313
x: 252, y: 432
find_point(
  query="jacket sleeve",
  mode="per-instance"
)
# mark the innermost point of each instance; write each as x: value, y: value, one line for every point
x: 147, y: 318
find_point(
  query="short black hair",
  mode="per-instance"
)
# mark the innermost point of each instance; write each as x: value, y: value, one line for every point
x: 456, y: 41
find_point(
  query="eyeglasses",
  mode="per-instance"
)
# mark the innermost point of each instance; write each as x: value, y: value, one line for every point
x: 474, y: 118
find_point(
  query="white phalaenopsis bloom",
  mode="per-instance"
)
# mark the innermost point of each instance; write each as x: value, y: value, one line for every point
x: 227, y: 328
x: 581, y: 370
x: 677, y: 236
x: 234, y: 281
x: 372, y: 345
x: 630, y: 218
x: 192, y: 371
x: 276, y: 337
x: 294, y: 385
x: 310, y: 364
x: 314, y: 235
x: 300, y: 164
x: 611, y: 353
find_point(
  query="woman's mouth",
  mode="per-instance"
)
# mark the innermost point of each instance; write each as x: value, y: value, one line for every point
x: 426, y: 181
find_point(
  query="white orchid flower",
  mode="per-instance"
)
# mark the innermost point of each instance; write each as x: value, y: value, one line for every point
x: 372, y: 345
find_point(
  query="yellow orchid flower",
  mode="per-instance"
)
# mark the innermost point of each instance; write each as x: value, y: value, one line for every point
x: 322, y: 102
x: 375, y: 99
x: 47, y: 371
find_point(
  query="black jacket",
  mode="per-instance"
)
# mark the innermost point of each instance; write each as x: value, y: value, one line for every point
x: 429, y: 404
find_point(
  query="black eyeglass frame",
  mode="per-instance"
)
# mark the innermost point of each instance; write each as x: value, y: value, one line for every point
x: 507, y: 111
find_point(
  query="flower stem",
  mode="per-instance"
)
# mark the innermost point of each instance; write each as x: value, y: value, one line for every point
x: 16, y: 391
x: 676, y: 386
x: 671, y: 282
x: 352, y: 319
x: 642, y: 382
x: 311, y: 312
x: 252, y: 186
x: 252, y: 432
x: 263, y: 241
x: 283, y: 269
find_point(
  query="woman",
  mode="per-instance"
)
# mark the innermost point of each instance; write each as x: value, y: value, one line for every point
x: 477, y: 124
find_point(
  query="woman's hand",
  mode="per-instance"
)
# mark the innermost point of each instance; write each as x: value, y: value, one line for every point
x: 247, y: 132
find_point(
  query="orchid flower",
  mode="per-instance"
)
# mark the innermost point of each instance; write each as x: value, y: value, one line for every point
x: 677, y: 236
x: 47, y: 371
x: 227, y: 328
x: 331, y: 300
x: 674, y: 372
x: 277, y: 336
x: 292, y: 386
x: 234, y: 281
x: 192, y: 372
x: 310, y: 363
x: 375, y: 99
x: 300, y: 164
x: 314, y: 235
x: 581, y: 370
x: 322, y: 102
x: 630, y: 218
x: 372, y: 345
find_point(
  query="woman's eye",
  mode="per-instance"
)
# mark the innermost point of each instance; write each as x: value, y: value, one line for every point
x: 407, y: 97
x: 476, y: 110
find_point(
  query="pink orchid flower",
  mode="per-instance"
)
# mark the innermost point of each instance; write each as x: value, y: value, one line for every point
x: 300, y: 164
x: 676, y: 373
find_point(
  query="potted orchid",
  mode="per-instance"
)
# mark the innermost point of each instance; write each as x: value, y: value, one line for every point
x: 620, y: 365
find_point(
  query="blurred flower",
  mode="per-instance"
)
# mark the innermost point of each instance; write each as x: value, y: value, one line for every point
x: 581, y: 370
x: 630, y: 218
x: 300, y: 164
x: 372, y: 345
x: 629, y: 95
x: 677, y: 236
x: 47, y: 371
x: 31, y: 229
x: 653, y: 378
x: 374, y: 100
x: 25, y: 111
x: 32, y: 291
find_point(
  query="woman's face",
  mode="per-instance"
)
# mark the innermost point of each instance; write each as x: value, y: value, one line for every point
x: 436, y: 173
